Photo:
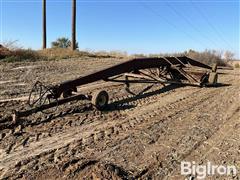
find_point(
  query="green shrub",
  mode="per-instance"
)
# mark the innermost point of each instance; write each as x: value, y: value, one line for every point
x: 62, y: 42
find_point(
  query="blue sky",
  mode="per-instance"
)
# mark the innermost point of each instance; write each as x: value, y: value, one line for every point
x: 152, y: 26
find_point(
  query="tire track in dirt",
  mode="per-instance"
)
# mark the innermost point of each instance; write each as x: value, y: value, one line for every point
x: 131, y: 119
x: 213, y: 95
x: 209, y: 129
x: 66, y: 138
x: 170, y: 115
x: 211, y: 150
x: 61, y: 139
x: 56, y: 123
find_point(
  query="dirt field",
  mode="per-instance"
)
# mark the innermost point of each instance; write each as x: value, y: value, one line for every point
x: 145, y: 136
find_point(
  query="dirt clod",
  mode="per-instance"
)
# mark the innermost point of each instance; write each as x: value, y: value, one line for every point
x: 136, y: 137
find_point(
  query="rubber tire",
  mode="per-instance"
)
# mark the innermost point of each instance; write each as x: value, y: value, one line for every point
x: 212, y: 79
x: 100, y: 99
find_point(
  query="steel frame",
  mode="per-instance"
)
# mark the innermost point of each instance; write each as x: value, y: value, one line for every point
x: 163, y: 70
x: 172, y: 66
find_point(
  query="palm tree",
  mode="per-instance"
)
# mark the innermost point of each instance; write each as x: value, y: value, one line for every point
x: 61, y: 43
x: 44, y: 24
x: 73, y: 25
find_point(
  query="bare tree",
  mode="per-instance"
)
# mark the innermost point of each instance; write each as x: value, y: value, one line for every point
x: 228, y: 55
x: 44, y: 24
x: 73, y: 25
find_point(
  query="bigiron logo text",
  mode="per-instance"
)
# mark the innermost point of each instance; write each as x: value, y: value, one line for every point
x: 209, y: 169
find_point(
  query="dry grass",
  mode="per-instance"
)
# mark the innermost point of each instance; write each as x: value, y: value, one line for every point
x: 22, y: 55
x: 209, y: 57
x: 55, y: 54
x: 49, y: 54
x: 18, y: 54
x: 237, y: 65
x: 62, y: 53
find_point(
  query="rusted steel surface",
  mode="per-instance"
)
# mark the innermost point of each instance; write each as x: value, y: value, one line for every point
x: 18, y: 114
x: 171, y: 63
x: 163, y: 70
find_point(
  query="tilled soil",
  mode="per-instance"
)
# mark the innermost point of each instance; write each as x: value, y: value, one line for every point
x: 144, y: 136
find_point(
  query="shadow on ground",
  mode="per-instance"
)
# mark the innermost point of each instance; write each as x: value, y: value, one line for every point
x: 218, y: 85
x: 124, y: 103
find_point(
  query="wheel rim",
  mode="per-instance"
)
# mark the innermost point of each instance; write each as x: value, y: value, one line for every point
x: 102, y: 101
